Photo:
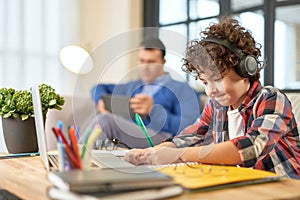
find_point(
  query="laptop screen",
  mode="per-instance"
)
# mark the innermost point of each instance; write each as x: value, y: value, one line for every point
x: 39, y: 125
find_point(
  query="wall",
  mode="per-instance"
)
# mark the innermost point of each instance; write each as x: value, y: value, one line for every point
x: 102, y: 22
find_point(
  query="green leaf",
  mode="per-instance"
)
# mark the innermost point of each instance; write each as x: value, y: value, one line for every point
x: 19, y: 103
x: 24, y: 117
x: 52, y: 102
x: 7, y: 115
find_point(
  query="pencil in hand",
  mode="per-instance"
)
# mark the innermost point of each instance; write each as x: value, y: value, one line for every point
x: 141, y: 124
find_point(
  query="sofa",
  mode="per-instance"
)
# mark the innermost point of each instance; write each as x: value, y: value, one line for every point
x: 78, y: 111
x: 81, y: 110
x: 295, y: 101
x: 294, y: 97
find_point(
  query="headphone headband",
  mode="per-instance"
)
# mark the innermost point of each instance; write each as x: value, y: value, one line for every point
x: 248, y: 66
x: 227, y: 44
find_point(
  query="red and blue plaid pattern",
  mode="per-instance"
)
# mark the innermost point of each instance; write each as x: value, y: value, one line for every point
x: 271, y: 141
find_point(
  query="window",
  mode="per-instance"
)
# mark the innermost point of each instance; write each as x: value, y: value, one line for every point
x: 31, y: 35
x: 287, y: 44
x: 241, y: 4
x: 191, y: 17
x: 273, y: 23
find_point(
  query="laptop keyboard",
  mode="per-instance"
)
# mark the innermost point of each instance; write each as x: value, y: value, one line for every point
x: 53, y: 161
x: 102, y: 160
x: 108, y: 160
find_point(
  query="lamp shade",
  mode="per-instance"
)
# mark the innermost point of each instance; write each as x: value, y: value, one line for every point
x: 76, y: 59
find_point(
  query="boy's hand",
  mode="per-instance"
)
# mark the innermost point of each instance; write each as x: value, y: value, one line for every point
x: 134, y: 156
x: 155, y: 156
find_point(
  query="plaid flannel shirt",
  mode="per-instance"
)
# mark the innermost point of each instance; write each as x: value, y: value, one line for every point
x: 271, y: 141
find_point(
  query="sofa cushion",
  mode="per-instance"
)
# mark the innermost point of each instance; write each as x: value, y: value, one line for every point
x: 77, y: 111
x: 295, y: 101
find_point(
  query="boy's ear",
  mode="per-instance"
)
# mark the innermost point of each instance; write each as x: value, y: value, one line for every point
x: 164, y: 61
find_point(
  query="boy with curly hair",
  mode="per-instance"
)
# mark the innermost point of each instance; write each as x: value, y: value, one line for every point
x: 243, y: 123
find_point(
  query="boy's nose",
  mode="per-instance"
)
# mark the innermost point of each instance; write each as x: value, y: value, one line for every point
x: 211, y: 91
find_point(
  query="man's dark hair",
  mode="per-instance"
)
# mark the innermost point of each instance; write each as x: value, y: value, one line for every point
x: 154, y: 43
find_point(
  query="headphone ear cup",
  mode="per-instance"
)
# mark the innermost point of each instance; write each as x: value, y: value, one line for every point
x: 248, y: 67
x: 240, y: 70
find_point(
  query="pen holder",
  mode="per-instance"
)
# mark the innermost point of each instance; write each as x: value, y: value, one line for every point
x: 86, y: 159
x: 64, y: 160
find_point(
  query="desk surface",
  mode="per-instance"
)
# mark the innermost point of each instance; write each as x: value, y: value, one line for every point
x: 26, y: 178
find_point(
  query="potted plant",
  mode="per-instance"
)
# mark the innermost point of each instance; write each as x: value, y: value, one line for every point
x: 16, y: 109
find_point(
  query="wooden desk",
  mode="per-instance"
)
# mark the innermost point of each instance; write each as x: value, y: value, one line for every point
x: 26, y: 178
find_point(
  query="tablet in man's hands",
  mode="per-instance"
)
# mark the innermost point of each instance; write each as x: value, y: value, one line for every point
x: 118, y: 105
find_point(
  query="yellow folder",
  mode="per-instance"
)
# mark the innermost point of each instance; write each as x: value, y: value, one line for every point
x: 202, y: 176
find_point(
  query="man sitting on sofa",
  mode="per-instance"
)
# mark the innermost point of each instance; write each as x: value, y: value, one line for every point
x: 165, y: 105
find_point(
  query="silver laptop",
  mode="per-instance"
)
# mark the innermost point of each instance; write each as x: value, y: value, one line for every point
x: 39, y: 125
x: 99, y: 159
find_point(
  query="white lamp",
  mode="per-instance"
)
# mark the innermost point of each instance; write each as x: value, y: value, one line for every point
x: 76, y: 59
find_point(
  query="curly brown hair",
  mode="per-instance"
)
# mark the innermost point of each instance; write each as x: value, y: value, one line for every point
x: 216, y: 57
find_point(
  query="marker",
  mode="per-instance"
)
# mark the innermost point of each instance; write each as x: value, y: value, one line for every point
x: 18, y: 155
x: 77, y: 132
x: 60, y: 126
x: 74, y: 143
x: 62, y: 154
x: 69, y: 151
x: 97, y: 130
x: 141, y: 124
x: 85, y: 141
